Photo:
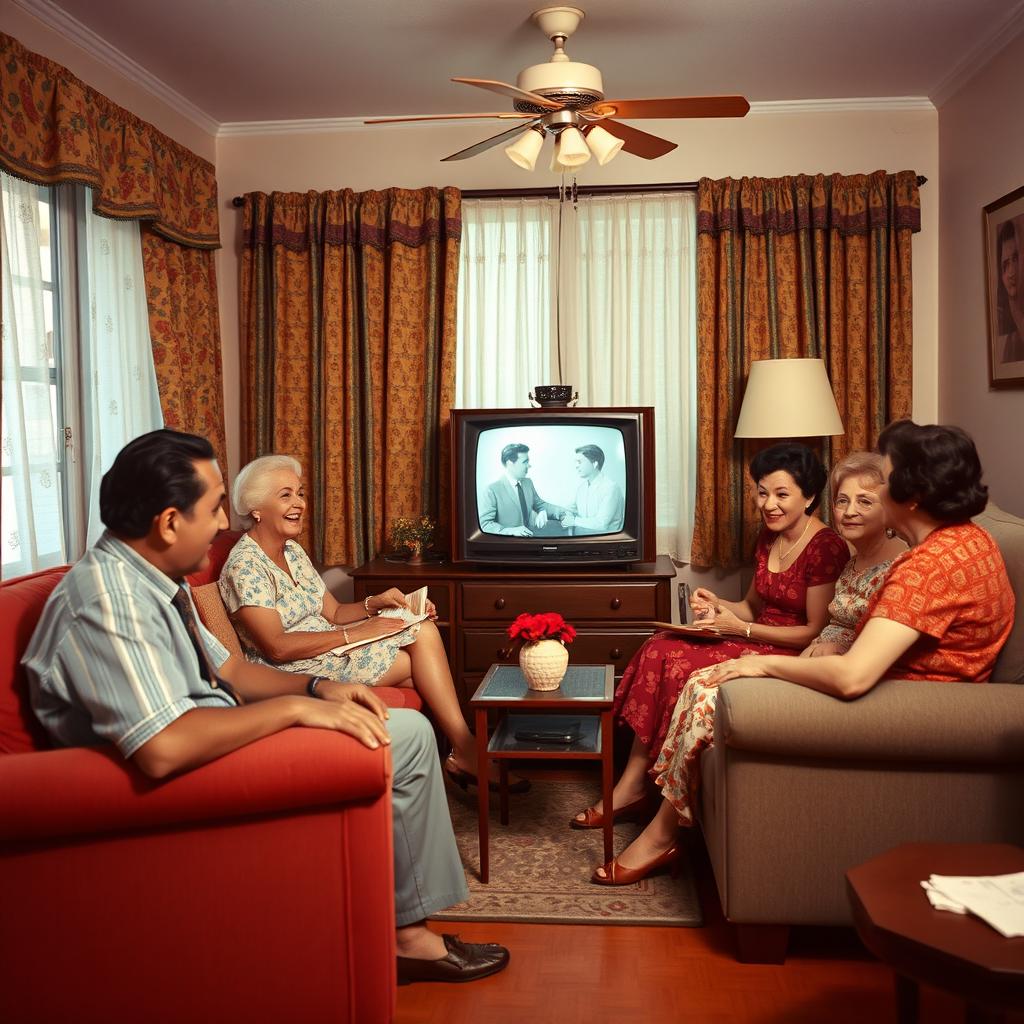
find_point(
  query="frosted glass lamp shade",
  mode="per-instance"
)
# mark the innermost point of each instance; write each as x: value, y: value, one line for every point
x: 603, y: 144
x: 524, y: 151
x: 788, y: 398
x: 572, y: 148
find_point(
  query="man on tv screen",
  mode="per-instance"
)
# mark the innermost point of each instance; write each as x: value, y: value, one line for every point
x: 511, y: 505
x: 599, y: 506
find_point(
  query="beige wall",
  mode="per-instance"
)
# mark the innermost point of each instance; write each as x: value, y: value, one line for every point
x: 40, y: 38
x: 981, y: 151
x: 763, y: 144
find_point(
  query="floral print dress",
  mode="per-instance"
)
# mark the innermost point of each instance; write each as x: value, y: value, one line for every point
x: 677, y: 769
x: 251, y: 579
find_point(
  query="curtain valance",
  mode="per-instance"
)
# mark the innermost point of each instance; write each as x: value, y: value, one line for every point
x: 56, y: 128
x: 848, y: 204
x: 299, y: 220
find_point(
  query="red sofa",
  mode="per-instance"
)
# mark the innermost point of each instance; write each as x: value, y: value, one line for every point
x: 258, y: 888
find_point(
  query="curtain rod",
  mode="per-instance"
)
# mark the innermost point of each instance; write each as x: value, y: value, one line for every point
x: 582, y: 190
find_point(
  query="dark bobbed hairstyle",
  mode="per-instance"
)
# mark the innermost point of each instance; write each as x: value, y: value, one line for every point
x: 151, y: 473
x: 511, y: 452
x: 936, y: 466
x: 799, y: 462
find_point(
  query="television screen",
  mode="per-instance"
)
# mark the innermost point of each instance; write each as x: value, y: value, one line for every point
x: 558, y: 480
x: 553, y: 486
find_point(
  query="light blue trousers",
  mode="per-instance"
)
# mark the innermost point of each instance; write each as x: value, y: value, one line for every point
x: 428, y: 872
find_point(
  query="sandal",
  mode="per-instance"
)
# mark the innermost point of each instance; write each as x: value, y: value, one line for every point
x: 593, y: 818
x: 616, y: 874
x: 462, y: 778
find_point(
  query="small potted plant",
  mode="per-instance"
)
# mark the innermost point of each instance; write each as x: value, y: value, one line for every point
x: 412, y: 535
x: 543, y: 657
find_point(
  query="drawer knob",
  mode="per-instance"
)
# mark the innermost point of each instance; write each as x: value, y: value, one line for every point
x: 616, y: 604
x: 614, y: 654
x: 499, y: 603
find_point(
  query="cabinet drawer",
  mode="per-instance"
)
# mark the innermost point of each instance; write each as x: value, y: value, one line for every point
x: 504, y: 601
x: 481, y: 648
x: 438, y: 593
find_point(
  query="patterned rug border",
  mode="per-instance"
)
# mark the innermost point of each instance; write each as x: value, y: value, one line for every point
x: 538, y: 830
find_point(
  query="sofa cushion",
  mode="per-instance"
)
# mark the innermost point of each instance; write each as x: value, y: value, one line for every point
x: 21, y: 604
x: 215, y: 616
x: 219, y: 551
x: 1008, y: 532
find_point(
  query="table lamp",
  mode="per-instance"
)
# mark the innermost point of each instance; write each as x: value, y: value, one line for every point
x: 788, y: 398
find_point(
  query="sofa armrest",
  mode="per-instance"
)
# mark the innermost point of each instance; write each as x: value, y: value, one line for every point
x: 897, y: 720
x: 84, y: 791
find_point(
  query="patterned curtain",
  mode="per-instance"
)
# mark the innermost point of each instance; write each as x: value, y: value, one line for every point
x: 55, y: 128
x: 806, y: 266
x: 348, y: 346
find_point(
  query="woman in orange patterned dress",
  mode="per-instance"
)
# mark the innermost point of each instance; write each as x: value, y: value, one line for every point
x: 943, y: 613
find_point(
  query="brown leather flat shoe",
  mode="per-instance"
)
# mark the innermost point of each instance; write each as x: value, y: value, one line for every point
x: 462, y: 778
x: 593, y: 818
x: 466, y: 961
x: 616, y: 874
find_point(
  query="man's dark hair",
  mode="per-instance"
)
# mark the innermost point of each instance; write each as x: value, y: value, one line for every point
x: 799, y: 462
x: 151, y: 473
x: 511, y: 452
x: 938, y: 467
x: 592, y: 453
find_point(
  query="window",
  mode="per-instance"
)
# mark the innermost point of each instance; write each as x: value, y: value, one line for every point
x: 78, y: 377
x: 600, y: 295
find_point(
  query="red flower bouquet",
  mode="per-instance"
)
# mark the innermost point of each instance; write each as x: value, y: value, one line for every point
x: 528, y: 628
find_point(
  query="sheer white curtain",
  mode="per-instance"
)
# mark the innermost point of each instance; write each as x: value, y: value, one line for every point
x: 506, y: 309
x: 120, y: 399
x: 629, y: 329
x: 32, y: 511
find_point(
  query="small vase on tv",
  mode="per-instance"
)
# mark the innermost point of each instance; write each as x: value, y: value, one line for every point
x: 543, y: 663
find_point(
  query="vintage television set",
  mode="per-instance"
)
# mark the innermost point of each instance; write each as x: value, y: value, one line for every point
x: 589, y: 507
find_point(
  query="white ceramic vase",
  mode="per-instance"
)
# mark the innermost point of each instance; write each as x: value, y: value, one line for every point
x: 544, y: 663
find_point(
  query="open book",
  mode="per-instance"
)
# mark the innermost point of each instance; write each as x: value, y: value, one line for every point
x: 411, y: 616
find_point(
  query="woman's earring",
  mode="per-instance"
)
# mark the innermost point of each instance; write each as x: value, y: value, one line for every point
x: 255, y: 517
x: 890, y: 532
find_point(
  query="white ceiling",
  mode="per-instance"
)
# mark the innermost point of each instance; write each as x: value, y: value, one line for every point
x: 269, y: 60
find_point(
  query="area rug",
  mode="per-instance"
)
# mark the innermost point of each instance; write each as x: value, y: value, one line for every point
x: 541, y: 868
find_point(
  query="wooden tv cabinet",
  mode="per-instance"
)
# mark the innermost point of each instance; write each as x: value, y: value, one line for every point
x: 613, y: 609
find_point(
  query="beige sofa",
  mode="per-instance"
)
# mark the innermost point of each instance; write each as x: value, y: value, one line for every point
x: 798, y: 786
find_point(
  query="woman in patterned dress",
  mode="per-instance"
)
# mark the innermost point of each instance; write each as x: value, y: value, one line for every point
x: 942, y: 613
x: 797, y: 560
x: 286, y: 617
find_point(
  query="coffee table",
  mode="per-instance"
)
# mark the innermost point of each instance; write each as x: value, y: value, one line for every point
x: 954, y: 952
x: 584, y: 699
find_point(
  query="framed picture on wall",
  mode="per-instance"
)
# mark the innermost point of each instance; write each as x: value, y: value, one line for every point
x: 1004, y: 289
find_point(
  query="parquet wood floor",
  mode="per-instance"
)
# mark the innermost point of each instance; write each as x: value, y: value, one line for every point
x: 592, y: 974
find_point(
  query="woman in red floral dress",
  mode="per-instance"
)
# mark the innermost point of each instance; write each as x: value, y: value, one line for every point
x: 798, y: 559
x: 943, y: 613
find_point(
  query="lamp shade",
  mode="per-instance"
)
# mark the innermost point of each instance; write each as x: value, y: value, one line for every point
x: 788, y: 398
x: 603, y: 144
x: 523, y: 152
x: 571, y: 148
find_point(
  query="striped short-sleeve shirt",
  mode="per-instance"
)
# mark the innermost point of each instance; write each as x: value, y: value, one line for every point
x: 111, y: 660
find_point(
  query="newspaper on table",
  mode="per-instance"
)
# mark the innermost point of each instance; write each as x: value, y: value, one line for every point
x: 411, y: 616
x: 997, y: 899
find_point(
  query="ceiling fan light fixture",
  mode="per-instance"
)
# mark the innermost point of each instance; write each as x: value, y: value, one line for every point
x: 603, y: 144
x: 571, y: 149
x: 525, y: 150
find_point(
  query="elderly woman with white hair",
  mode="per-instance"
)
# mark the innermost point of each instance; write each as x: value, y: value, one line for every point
x: 286, y: 617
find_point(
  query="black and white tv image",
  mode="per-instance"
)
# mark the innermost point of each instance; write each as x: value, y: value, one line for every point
x: 544, y: 487
x: 559, y: 480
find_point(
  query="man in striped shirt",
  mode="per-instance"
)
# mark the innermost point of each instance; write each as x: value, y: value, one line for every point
x: 119, y: 656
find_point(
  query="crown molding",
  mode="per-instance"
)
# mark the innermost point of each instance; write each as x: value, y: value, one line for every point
x: 997, y: 38
x: 850, y: 105
x: 96, y: 46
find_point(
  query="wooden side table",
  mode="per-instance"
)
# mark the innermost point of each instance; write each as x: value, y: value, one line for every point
x: 585, y: 696
x: 954, y: 952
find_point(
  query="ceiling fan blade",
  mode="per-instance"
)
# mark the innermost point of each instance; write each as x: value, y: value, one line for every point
x: 679, y: 106
x: 494, y: 140
x: 510, y: 90
x: 443, y: 117
x: 639, y: 143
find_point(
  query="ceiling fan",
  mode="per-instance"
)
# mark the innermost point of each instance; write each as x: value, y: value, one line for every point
x: 565, y: 99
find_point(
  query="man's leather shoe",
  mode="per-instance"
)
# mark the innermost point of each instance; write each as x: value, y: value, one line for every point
x: 466, y: 961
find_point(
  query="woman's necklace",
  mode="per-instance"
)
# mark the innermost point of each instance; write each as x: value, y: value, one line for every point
x: 793, y: 546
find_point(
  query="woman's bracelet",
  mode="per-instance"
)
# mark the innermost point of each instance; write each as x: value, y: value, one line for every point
x: 344, y: 633
x: 366, y: 607
x: 750, y: 626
